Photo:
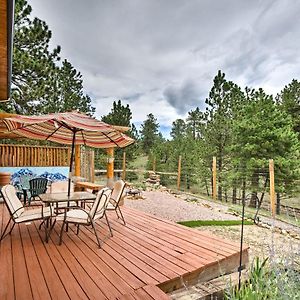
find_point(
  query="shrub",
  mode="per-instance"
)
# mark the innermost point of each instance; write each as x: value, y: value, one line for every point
x: 277, y: 281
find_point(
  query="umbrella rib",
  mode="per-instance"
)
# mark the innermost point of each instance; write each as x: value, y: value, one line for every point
x: 83, y: 138
x: 60, y: 126
x: 110, y: 139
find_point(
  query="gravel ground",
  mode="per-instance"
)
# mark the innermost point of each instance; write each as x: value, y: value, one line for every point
x: 262, y: 241
x: 169, y: 207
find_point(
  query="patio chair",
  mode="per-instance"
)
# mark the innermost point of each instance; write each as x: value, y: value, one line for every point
x: 20, y: 214
x: 116, y: 197
x: 37, y: 186
x: 80, y: 216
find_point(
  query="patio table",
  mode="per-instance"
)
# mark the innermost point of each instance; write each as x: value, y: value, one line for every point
x: 56, y: 198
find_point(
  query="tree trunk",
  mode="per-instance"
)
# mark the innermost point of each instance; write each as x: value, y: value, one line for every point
x: 207, y: 189
x: 220, y: 165
x: 225, y: 194
x: 278, y: 198
x: 234, y: 195
x: 254, y: 187
x: 188, y: 182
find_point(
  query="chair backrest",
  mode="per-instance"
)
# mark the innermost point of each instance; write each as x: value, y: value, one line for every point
x: 117, y: 192
x: 13, y: 203
x: 38, y: 186
x: 100, y: 204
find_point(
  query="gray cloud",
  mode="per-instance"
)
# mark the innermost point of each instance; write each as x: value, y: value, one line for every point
x: 184, y: 97
x: 162, y: 56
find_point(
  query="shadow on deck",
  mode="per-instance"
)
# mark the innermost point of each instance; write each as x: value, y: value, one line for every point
x: 144, y: 259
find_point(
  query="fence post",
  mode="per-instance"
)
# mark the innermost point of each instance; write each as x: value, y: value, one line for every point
x: 214, y: 176
x: 179, y: 173
x: 92, y: 165
x: 110, y: 167
x: 77, y: 160
x: 124, y: 166
x: 272, y: 187
x: 154, y: 164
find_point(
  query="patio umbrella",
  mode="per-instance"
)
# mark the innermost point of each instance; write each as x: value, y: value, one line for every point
x: 70, y: 128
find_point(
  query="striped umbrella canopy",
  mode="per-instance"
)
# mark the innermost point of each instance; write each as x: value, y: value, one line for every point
x: 70, y: 128
x: 61, y: 127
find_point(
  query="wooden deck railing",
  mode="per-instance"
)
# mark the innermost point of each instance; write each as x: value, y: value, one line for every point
x: 42, y: 156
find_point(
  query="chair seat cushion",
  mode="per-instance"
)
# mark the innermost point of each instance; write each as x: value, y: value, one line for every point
x: 74, y: 215
x: 34, y: 214
x: 110, y: 206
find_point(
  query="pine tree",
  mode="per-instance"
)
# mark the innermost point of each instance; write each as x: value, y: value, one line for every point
x: 178, y: 130
x: 119, y: 115
x: 149, y: 133
x: 224, y: 99
x: 262, y: 131
x: 40, y: 84
x: 289, y: 100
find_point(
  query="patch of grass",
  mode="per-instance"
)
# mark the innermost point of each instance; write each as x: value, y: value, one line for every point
x: 198, y: 223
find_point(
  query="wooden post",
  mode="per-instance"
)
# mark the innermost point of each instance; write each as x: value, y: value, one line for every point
x: 110, y: 167
x: 214, y: 176
x: 92, y: 165
x: 179, y: 173
x: 272, y: 187
x: 124, y: 166
x: 154, y: 164
x: 77, y: 160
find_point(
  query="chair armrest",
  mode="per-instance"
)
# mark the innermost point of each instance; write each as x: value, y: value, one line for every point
x: 17, y: 211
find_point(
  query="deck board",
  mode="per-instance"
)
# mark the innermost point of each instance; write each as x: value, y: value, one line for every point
x: 144, y: 258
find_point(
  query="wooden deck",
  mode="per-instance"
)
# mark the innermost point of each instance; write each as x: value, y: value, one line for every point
x: 144, y: 258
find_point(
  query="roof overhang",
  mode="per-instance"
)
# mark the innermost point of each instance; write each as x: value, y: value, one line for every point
x: 6, y: 47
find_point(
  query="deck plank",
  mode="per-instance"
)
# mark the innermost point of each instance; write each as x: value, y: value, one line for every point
x: 35, y: 273
x: 110, y: 263
x: 69, y: 281
x: 21, y: 278
x: 146, y: 253
x: 53, y: 281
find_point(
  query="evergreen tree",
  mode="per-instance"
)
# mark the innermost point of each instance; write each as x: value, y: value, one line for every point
x: 39, y: 83
x: 224, y: 99
x: 262, y: 131
x: 149, y: 133
x: 120, y: 115
x: 33, y: 63
x: 194, y: 122
x: 178, y: 129
x: 289, y: 100
x: 66, y: 92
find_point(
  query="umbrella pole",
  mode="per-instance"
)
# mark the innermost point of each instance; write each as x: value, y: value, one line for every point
x: 71, y: 163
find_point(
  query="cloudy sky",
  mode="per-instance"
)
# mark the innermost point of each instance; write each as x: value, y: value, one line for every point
x: 160, y: 56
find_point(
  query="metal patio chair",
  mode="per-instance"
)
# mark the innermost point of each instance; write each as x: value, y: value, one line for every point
x: 20, y: 214
x: 116, y: 197
x: 80, y: 216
